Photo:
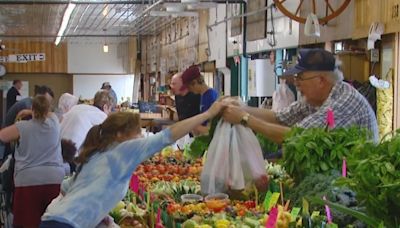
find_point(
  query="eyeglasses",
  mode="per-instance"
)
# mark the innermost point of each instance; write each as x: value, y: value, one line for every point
x: 300, y: 78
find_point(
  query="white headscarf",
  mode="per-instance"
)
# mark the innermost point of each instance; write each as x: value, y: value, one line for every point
x: 66, y: 102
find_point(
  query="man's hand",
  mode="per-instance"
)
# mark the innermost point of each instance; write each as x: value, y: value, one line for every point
x: 233, y: 114
x: 235, y: 101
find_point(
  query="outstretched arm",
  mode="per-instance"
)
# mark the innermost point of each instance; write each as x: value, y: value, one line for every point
x: 9, y: 134
x: 183, y: 127
x: 275, y: 132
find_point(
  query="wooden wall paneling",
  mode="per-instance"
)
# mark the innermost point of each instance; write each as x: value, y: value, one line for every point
x: 369, y: 11
x: 148, y: 54
x: 355, y: 67
x: 391, y: 16
x: 143, y: 55
x: 256, y: 23
x: 56, y: 57
x: 366, y: 12
x: 345, y: 66
x: 59, y: 83
x: 203, y: 38
x: 209, y: 67
x: 132, y: 54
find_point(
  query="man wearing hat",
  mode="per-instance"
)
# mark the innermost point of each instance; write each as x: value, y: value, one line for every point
x: 321, y: 84
x: 194, y: 81
x: 107, y: 86
x: 187, y: 103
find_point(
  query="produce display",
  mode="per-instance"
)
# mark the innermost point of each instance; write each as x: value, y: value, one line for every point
x: 168, y: 166
x: 365, y: 193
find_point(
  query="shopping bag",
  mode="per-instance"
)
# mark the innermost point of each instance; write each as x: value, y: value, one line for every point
x: 234, y: 160
x: 282, y: 97
x: 215, y: 175
x: 251, y: 157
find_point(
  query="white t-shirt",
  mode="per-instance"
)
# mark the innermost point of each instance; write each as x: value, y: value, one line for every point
x: 77, y: 122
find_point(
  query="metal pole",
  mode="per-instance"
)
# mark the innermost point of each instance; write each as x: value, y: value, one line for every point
x: 53, y: 36
x: 242, y: 15
x: 77, y: 2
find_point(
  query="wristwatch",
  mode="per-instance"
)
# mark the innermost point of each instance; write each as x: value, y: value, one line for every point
x: 245, y: 119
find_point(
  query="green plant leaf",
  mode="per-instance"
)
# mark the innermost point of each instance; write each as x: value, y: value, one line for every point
x: 359, y: 215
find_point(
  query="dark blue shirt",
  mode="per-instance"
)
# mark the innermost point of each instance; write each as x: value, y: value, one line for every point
x: 207, y: 99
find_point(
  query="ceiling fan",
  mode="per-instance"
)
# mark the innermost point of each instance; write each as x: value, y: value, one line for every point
x: 184, y: 8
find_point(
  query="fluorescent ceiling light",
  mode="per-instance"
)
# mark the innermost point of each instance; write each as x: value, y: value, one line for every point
x: 202, y: 5
x: 65, y: 21
x: 174, y: 7
x: 105, y: 11
x: 173, y: 14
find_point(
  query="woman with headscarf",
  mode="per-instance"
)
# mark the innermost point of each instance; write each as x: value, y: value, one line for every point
x: 65, y: 103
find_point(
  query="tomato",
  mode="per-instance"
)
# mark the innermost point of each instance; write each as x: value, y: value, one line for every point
x: 161, y: 169
x: 250, y: 204
x: 241, y: 213
x: 172, y: 208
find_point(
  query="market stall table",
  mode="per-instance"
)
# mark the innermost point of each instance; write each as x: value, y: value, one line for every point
x: 152, y: 120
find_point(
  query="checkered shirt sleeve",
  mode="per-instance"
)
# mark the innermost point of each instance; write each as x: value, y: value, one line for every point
x: 294, y: 113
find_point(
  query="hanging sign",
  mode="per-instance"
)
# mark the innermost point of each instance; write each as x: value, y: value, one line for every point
x: 23, y: 58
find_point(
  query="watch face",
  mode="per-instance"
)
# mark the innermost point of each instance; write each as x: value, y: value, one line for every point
x: 2, y: 70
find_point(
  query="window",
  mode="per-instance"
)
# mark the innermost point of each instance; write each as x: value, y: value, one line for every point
x: 339, y: 47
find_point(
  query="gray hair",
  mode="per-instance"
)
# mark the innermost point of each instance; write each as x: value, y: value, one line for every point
x: 336, y: 75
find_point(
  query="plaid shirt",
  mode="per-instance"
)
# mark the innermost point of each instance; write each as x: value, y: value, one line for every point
x: 349, y: 107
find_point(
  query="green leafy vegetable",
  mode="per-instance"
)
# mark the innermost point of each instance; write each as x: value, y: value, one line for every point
x: 200, y: 143
x: 374, y: 175
x: 319, y: 185
x: 267, y: 146
x: 359, y: 215
x: 317, y: 150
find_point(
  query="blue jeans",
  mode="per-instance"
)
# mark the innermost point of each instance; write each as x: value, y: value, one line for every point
x: 54, y: 224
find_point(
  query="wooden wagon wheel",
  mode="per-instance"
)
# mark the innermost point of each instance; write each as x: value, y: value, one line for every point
x: 330, y: 13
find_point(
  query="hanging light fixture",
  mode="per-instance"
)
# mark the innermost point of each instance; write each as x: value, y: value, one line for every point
x: 105, y: 46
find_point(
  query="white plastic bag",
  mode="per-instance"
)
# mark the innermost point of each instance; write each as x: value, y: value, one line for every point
x: 311, y: 27
x: 234, y: 160
x: 282, y: 97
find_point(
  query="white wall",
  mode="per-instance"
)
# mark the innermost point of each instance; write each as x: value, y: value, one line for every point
x: 286, y: 35
x: 87, y: 56
x: 262, y: 78
x: 87, y: 85
x: 217, y: 36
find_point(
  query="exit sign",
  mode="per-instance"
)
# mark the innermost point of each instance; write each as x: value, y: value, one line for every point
x: 23, y: 58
